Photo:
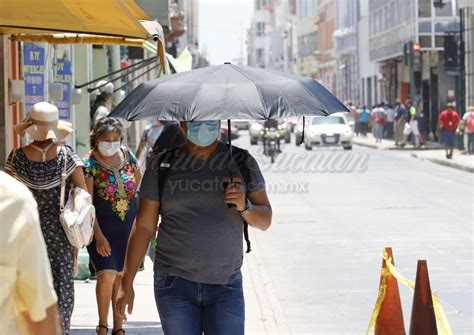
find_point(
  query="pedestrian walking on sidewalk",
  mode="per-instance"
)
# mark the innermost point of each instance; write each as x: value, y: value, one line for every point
x: 389, y: 124
x: 448, y: 122
x: 199, y: 253
x: 378, y: 120
x: 468, y: 119
x: 400, y: 112
x: 364, y: 117
x: 411, y: 125
x: 39, y: 166
x: 102, y: 105
x: 356, y: 120
x: 27, y: 284
x: 112, y: 175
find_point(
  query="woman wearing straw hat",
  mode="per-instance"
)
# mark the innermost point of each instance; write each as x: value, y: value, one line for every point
x: 39, y: 166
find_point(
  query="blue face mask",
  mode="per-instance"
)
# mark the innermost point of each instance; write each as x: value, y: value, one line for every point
x: 203, y: 133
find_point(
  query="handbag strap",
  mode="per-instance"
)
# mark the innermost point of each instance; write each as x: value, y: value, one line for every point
x: 12, y: 162
x: 63, y: 180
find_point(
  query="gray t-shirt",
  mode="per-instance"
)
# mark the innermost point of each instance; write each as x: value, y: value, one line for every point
x: 200, y: 239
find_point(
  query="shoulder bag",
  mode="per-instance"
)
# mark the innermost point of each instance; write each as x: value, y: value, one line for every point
x: 78, y: 214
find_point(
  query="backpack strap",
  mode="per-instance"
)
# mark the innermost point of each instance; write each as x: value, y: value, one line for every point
x: 63, y: 181
x: 241, y: 157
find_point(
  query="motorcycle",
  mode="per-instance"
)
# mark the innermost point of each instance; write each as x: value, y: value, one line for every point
x: 271, y: 143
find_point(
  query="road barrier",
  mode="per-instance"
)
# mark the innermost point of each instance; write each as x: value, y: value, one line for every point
x: 424, y: 303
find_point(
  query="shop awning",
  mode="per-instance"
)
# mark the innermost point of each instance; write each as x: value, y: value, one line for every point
x: 153, y: 28
x: 78, y: 39
x: 119, y: 18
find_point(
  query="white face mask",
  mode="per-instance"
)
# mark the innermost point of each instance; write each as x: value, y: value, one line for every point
x: 109, y: 148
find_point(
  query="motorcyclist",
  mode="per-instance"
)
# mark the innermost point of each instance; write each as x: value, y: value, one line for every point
x: 270, y: 123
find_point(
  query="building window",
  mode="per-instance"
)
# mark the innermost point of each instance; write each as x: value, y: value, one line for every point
x: 425, y: 41
x: 307, y: 44
x: 446, y: 26
x: 424, y: 27
x: 424, y: 8
x: 259, y: 56
x: 446, y: 10
x: 260, y: 29
x: 439, y: 41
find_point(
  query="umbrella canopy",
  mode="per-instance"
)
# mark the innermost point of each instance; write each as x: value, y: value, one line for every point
x: 228, y: 92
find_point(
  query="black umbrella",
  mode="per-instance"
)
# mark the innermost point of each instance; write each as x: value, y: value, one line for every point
x: 228, y: 92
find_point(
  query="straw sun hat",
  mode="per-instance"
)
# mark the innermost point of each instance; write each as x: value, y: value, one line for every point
x: 43, y: 123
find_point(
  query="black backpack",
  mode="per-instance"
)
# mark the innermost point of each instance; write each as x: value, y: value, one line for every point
x: 240, y: 157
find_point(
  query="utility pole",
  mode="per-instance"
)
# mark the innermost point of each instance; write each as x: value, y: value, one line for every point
x: 462, y: 101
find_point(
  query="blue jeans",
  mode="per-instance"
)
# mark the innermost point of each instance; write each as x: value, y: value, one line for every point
x: 190, y: 308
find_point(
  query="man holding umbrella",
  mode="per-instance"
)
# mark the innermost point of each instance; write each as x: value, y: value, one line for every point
x: 206, y: 192
x: 198, y: 282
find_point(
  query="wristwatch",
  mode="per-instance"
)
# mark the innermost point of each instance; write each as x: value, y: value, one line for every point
x: 247, y: 208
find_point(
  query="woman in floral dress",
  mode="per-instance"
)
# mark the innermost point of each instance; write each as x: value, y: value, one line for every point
x: 112, y: 175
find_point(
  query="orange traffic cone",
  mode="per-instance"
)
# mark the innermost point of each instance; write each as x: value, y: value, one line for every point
x: 423, y: 320
x: 390, y: 318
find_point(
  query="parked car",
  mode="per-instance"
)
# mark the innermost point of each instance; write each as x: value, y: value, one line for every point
x: 333, y: 130
x: 293, y: 121
x: 285, y: 129
x: 255, y: 132
x: 299, y: 128
x: 241, y: 125
x: 234, y: 132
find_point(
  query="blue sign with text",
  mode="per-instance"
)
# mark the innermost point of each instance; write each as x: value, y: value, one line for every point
x: 63, y: 74
x: 33, y: 74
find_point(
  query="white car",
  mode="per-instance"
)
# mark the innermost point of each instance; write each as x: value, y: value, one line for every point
x: 333, y: 130
x: 255, y: 132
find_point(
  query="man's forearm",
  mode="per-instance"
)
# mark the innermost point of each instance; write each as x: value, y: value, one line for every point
x: 260, y: 217
x: 137, y: 246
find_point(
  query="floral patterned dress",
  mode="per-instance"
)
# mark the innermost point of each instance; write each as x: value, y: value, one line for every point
x: 116, y: 207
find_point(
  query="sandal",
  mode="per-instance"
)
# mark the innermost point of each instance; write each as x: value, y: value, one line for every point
x: 115, y: 332
x: 101, y: 326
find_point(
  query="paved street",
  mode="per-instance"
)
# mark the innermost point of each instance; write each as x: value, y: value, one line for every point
x: 323, y: 252
x: 316, y: 271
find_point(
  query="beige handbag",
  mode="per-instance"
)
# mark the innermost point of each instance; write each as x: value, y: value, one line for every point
x: 78, y: 214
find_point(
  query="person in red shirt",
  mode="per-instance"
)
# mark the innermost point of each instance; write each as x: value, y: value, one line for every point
x: 447, y: 124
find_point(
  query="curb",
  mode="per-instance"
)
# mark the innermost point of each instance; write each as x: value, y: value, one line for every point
x: 374, y: 146
x: 446, y: 163
x: 273, y: 315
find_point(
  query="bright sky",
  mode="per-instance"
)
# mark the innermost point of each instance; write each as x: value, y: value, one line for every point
x: 222, y: 26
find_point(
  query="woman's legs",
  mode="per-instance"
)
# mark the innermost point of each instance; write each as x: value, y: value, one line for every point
x: 118, y: 322
x: 104, y: 289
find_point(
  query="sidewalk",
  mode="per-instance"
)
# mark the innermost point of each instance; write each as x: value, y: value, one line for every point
x: 390, y: 144
x: 460, y: 161
x: 144, y: 319
x: 432, y: 151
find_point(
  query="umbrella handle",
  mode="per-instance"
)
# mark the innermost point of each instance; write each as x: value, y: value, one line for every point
x: 302, y: 132
x: 229, y: 139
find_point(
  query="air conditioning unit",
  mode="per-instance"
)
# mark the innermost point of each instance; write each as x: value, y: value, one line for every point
x: 157, y: 10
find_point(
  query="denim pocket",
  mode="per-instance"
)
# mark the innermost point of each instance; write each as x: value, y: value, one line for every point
x: 235, y: 285
x: 164, y: 281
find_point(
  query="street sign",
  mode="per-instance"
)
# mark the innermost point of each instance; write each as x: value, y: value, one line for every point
x: 33, y: 74
x: 63, y: 74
